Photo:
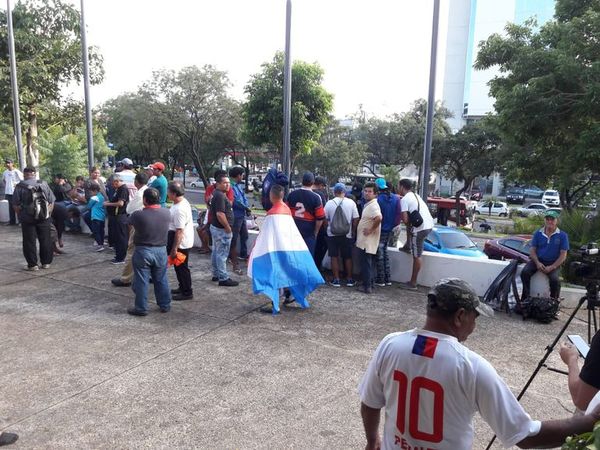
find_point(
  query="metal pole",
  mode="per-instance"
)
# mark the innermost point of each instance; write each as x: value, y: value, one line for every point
x: 86, y: 88
x: 430, y: 103
x: 287, y: 93
x: 14, y: 87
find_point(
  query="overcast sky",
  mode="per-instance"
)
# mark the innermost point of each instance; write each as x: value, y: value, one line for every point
x: 374, y: 52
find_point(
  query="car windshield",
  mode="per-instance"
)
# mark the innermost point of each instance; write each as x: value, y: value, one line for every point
x: 515, y: 191
x: 456, y: 240
x: 551, y: 193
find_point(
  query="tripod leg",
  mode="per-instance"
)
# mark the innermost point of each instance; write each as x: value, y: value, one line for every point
x: 549, y: 351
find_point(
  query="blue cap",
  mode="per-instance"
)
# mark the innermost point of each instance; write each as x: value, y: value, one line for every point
x: 339, y: 187
x: 381, y: 184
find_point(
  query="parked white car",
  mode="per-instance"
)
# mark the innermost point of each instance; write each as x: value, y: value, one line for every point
x: 551, y: 198
x: 498, y: 208
x: 532, y: 209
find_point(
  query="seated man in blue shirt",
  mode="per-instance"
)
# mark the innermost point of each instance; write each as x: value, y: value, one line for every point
x: 549, y: 248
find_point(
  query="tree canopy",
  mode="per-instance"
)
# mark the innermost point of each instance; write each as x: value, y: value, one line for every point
x: 547, y: 102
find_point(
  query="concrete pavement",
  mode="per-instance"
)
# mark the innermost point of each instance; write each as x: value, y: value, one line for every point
x: 77, y: 372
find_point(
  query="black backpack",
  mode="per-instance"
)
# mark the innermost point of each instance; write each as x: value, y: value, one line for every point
x: 339, y: 223
x: 35, y: 202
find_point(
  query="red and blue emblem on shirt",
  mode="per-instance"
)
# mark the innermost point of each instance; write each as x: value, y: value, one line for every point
x: 425, y: 346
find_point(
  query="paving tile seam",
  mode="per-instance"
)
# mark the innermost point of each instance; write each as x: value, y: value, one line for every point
x: 123, y: 372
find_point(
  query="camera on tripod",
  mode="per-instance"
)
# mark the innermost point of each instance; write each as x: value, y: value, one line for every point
x: 586, y: 267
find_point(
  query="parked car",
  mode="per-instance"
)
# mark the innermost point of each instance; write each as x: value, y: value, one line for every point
x: 551, y: 198
x: 515, y: 195
x: 533, y: 192
x: 451, y: 242
x: 532, y: 209
x: 498, y: 208
x: 514, y: 247
x: 199, y: 184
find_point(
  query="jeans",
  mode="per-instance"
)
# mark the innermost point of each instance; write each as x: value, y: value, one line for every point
x: 221, y: 245
x: 367, y: 268
x: 383, y: 260
x: 37, y: 230
x: 529, y: 270
x: 321, y: 246
x: 184, y: 277
x: 120, y: 235
x: 240, y: 231
x: 150, y: 261
x: 97, y: 227
x: 11, y: 211
x: 87, y: 218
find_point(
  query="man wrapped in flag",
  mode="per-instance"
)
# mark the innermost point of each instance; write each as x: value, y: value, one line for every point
x: 280, y: 258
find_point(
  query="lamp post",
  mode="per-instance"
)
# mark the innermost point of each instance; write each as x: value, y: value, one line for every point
x: 287, y: 93
x: 86, y: 88
x: 14, y: 87
x: 430, y: 104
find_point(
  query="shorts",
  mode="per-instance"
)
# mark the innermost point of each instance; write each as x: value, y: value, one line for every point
x: 416, y: 242
x: 339, y: 246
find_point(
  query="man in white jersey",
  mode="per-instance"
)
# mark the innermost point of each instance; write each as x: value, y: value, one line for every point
x: 431, y: 385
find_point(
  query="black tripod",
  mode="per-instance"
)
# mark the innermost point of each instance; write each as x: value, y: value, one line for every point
x: 591, y: 297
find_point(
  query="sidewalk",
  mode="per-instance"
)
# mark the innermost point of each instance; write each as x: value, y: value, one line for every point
x: 78, y: 372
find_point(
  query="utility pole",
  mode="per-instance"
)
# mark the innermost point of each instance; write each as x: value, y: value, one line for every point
x: 287, y: 94
x: 14, y: 87
x: 430, y: 104
x: 86, y: 88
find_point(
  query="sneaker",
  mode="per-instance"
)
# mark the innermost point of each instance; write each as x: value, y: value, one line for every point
x: 228, y: 282
x: 408, y: 286
x: 32, y: 268
x: 388, y: 283
x: 95, y: 244
x: 243, y: 258
x: 335, y: 283
x: 135, y: 312
x: 100, y: 248
x: 380, y: 284
x: 45, y: 266
x: 350, y: 282
x: 288, y: 301
x: 116, y: 261
x: 165, y: 310
x: 175, y: 291
x: 119, y: 283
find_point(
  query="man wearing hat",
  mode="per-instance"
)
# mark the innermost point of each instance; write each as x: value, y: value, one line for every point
x: 431, y: 385
x: 549, y: 247
x: 307, y: 211
x: 389, y: 203
x: 11, y: 177
x: 160, y: 182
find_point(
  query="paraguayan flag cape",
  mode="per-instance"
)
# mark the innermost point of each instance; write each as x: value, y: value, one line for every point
x: 281, y: 259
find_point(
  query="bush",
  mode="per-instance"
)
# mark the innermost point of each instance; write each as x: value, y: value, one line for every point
x: 528, y: 225
x: 580, y: 229
x: 586, y: 441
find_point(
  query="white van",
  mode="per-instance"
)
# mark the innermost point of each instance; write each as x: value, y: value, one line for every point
x: 551, y: 198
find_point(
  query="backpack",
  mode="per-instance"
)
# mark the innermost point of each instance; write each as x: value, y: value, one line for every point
x: 36, y: 203
x: 272, y: 177
x: 339, y: 223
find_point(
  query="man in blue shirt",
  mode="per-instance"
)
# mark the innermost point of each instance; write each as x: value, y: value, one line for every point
x: 160, y: 183
x: 240, y: 208
x: 389, y: 203
x: 549, y: 247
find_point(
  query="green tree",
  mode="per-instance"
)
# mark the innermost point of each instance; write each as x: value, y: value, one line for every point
x: 263, y: 112
x: 48, y: 53
x: 468, y: 154
x: 199, y: 112
x: 547, y: 102
x: 333, y: 157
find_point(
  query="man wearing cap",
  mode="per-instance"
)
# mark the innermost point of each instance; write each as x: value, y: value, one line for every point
x: 160, y: 182
x: 389, y: 203
x: 340, y: 245
x: 307, y: 211
x: 549, y: 247
x: 431, y: 385
x: 11, y: 178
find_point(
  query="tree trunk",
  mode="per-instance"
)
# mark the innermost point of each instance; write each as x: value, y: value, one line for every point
x: 31, y: 150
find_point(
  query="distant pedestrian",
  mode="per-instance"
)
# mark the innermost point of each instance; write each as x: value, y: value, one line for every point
x: 412, y: 205
x: 33, y: 202
x: 307, y: 211
x: 389, y: 204
x: 97, y: 215
x: 221, y: 216
x: 181, y: 238
x: 151, y: 226
x: 342, y: 219
x: 367, y: 236
x: 116, y: 210
x: 320, y: 188
x: 160, y: 182
x: 11, y: 177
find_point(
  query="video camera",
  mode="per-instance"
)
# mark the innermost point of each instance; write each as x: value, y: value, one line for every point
x: 587, y: 268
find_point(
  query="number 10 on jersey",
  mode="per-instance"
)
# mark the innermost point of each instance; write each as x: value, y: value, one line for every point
x: 409, y: 398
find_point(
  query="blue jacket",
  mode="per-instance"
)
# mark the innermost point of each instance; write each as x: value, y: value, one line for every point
x: 240, y: 202
x: 390, y: 210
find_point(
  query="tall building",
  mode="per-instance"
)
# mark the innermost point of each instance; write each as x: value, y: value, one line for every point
x: 466, y: 90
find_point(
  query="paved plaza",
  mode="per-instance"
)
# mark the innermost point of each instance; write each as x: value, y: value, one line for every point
x: 77, y: 372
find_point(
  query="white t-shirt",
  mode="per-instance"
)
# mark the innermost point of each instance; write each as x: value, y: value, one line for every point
x: 369, y: 243
x: 181, y: 217
x: 348, y: 207
x: 11, y: 179
x: 409, y: 204
x: 441, y: 384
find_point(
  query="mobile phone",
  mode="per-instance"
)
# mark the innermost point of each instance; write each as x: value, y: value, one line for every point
x: 582, y: 347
